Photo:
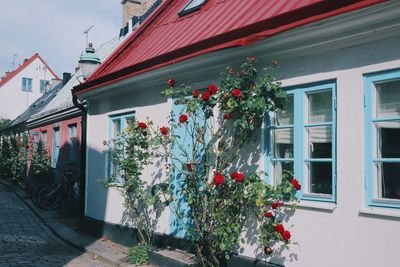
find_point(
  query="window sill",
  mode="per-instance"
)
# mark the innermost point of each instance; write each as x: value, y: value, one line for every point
x: 315, y: 205
x: 385, y: 212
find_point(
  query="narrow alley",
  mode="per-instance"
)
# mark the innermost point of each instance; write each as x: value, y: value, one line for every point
x: 25, y: 241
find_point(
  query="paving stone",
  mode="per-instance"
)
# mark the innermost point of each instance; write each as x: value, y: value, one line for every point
x: 25, y: 241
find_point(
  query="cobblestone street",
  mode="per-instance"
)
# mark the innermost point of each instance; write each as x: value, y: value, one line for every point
x: 25, y: 241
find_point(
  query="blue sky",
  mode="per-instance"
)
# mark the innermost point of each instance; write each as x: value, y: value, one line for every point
x: 54, y: 29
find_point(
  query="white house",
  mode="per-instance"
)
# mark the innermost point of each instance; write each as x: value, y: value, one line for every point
x: 340, y: 65
x: 21, y: 87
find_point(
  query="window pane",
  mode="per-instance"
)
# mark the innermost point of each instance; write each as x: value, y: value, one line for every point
x: 116, y: 127
x: 320, y: 107
x: 280, y: 168
x: 194, y: 3
x: 285, y: 117
x: 388, y: 182
x: 130, y: 122
x: 388, y: 139
x: 282, y: 143
x: 320, y: 177
x: 388, y: 99
x: 319, y: 142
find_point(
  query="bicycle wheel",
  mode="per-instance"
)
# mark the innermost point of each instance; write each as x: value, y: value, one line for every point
x: 48, y: 198
x: 35, y: 193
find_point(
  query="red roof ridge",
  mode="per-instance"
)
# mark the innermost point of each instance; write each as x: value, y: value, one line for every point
x: 23, y: 66
x: 143, y: 51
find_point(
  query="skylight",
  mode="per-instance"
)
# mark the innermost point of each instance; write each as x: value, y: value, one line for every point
x: 191, y: 6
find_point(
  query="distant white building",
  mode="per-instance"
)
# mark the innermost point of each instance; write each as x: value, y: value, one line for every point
x: 21, y: 87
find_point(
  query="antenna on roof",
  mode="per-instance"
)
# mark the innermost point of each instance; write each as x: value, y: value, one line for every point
x: 87, y: 34
x: 14, y: 63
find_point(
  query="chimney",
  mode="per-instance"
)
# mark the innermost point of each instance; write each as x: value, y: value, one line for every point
x: 66, y: 77
x: 136, y: 8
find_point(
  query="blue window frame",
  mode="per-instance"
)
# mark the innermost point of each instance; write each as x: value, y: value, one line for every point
x: 302, y: 139
x: 56, y: 147
x: 191, y: 6
x: 117, y: 124
x: 44, y: 139
x: 382, y: 138
x: 73, y: 143
x: 27, y: 84
x: 43, y: 85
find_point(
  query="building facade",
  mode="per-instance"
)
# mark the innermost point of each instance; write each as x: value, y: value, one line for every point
x: 340, y: 68
x: 21, y: 87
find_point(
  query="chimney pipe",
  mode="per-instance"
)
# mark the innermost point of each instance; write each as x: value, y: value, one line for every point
x: 136, y: 8
x: 66, y: 77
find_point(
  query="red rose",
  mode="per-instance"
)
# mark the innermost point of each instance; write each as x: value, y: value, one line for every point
x: 213, y: 89
x: 286, y: 235
x: 218, y: 179
x: 195, y: 93
x: 189, y: 167
x: 205, y: 96
x: 142, y: 125
x: 239, y: 177
x: 279, y: 228
x: 231, y: 71
x: 171, y: 82
x: 268, y: 214
x: 274, y: 205
x: 236, y: 93
x: 227, y: 116
x: 296, y: 184
x: 164, y: 130
x: 183, y: 118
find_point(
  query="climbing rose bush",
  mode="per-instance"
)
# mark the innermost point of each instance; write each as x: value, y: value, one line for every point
x: 213, y: 192
x: 210, y: 188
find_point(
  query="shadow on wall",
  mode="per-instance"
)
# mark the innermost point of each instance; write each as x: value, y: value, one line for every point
x: 248, y: 161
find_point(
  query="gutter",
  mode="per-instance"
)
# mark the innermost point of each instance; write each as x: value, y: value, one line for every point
x: 82, y: 182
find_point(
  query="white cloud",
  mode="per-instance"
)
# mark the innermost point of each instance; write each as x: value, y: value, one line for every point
x: 54, y: 29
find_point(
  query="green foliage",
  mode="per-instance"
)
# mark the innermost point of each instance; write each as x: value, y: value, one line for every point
x: 13, y: 160
x: 219, y: 202
x: 216, y: 193
x: 130, y: 152
x: 40, y: 164
x: 139, y: 254
x: 4, y: 123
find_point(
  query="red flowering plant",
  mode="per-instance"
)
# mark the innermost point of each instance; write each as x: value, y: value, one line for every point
x: 128, y: 154
x: 213, y: 193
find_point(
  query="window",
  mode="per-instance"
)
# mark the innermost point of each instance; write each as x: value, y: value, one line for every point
x: 382, y: 137
x: 301, y: 139
x: 43, y: 84
x: 118, y: 124
x: 73, y: 146
x: 35, y: 139
x: 27, y: 84
x: 191, y: 6
x: 56, y: 147
x: 44, y: 138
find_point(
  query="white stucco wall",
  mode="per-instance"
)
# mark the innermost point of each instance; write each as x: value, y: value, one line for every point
x: 14, y: 101
x: 106, y: 204
x: 345, y: 233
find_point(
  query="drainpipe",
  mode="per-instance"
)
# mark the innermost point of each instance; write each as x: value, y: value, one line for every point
x: 82, y: 182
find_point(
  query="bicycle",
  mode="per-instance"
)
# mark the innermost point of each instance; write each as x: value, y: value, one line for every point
x: 52, y: 196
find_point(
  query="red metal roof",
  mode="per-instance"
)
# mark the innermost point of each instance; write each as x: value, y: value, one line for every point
x: 165, y: 38
x: 23, y: 66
